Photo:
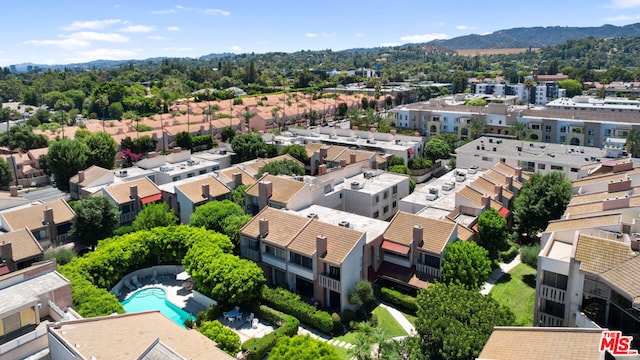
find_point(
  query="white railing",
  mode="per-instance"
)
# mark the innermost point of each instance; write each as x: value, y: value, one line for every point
x: 126, y: 217
x: 550, y: 320
x: 553, y: 294
x: 329, y: 283
x: 250, y: 254
x: 24, y: 339
x: 428, y: 270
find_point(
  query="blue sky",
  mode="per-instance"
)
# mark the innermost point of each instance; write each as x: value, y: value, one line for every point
x: 64, y: 31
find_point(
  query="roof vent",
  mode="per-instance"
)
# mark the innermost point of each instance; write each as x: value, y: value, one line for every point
x: 312, y: 216
x: 344, y: 223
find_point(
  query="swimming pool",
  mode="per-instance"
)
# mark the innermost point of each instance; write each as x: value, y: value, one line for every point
x: 155, y: 299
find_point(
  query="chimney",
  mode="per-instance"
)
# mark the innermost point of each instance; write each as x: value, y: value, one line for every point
x: 264, y: 227
x: 343, y: 162
x: 352, y: 158
x: 392, y: 132
x: 486, y: 202
x: 497, y: 189
x: 6, y: 252
x: 151, y: 154
x: 418, y: 235
x: 205, y: 191
x: 177, y: 149
x: 237, y: 178
x: 321, y: 245
x: 323, y: 153
x: 322, y: 169
x: 80, y: 176
x: 14, y: 191
x: 519, y: 174
x: 510, y: 182
x: 48, y: 216
x: 133, y: 192
x: 265, y: 190
x: 372, y: 129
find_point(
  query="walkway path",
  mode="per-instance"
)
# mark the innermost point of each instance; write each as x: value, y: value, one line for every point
x: 406, y: 324
x: 497, y: 274
x: 335, y: 342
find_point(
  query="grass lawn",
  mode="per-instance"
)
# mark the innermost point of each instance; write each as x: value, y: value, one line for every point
x: 412, y: 318
x: 342, y: 352
x: 385, y: 320
x: 517, y: 291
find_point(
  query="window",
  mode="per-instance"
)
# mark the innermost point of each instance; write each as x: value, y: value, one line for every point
x: 253, y: 245
x: 202, y: 172
x: 386, y: 209
x: 395, y: 204
x: 386, y: 194
x: 590, y: 142
x: 556, y: 167
x: 190, y: 175
x: 535, y: 127
x: 574, y: 170
x: 541, y: 166
x: 547, y: 138
x: 547, y: 128
x: 376, y: 214
x: 563, y: 139
x: 274, y: 251
x: 591, y: 131
x: 394, y: 190
x: 377, y: 198
x: 607, y: 132
x: 334, y: 272
x: 563, y: 129
x: 486, y: 158
x: 554, y: 308
x: 301, y: 260
x: 175, y: 178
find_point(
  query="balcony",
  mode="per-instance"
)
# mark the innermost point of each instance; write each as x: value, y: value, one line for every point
x: 274, y: 261
x: 428, y: 270
x: 550, y: 320
x: 553, y: 294
x: 127, y: 217
x: 329, y: 283
x: 251, y: 254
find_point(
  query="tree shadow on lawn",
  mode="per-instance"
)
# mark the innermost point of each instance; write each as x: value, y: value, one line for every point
x: 504, y: 279
x: 530, y: 280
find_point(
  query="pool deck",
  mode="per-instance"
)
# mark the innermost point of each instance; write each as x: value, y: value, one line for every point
x: 175, y: 291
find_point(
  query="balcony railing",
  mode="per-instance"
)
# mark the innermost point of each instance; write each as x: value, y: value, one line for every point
x: 126, y: 217
x: 550, y: 320
x: 329, y: 283
x: 553, y: 294
x: 250, y: 253
x: 274, y: 261
x: 62, y: 238
x: 428, y: 270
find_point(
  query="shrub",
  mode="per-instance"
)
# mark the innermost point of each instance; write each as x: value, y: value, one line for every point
x: 122, y: 230
x: 213, y: 312
x: 268, y: 314
x: 399, y: 299
x: 290, y: 303
x: 62, y: 255
x: 510, y: 253
x: 200, y: 318
x: 188, y: 323
x: 348, y: 316
x: 258, y: 348
x: 337, y: 324
x: 529, y: 255
x: 374, y: 320
x: 225, y: 338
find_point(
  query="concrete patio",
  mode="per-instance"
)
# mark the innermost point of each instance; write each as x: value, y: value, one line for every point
x: 244, y: 329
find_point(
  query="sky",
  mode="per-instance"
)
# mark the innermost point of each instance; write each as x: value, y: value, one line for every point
x: 65, y: 31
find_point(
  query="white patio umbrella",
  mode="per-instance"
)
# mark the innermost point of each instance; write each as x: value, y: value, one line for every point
x: 183, y: 276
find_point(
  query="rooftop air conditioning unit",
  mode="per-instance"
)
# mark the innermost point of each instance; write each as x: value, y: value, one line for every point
x: 355, y: 185
x: 312, y: 216
x: 344, y: 223
x: 433, y: 194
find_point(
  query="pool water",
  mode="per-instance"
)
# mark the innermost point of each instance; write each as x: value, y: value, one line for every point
x: 155, y: 299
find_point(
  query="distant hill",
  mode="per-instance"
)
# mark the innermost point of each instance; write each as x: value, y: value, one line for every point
x: 535, y: 37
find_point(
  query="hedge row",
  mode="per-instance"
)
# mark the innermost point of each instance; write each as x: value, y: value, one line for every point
x: 258, y: 348
x: 92, y: 274
x: 399, y: 299
x: 290, y: 303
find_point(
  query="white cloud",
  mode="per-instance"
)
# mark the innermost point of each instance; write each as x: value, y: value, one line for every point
x: 328, y: 34
x: 359, y: 35
x: 173, y: 28
x: 311, y: 35
x: 91, y: 25
x: 390, y: 44
x: 465, y: 27
x: 67, y: 43
x: 621, y: 18
x: 235, y: 48
x: 423, y: 37
x: 624, y: 4
x: 162, y: 12
x: 138, y: 28
x: 175, y: 48
x: 96, y: 36
x: 157, y: 38
x: 217, y: 12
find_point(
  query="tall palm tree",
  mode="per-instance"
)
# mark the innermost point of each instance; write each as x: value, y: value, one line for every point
x: 528, y: 85
x: 353, y: 114
x: 633, y: 142
x: 361, y: 349
x: 519, y: 129
x: 476, y: 128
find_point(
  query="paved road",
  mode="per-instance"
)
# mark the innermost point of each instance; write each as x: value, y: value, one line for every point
x: 45, y: 195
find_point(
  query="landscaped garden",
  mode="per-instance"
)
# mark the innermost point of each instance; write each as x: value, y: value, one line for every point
x: 517, y: 291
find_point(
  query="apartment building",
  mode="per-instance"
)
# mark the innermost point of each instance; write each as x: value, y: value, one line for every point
x: 144, y: 335
x: 130, y: 196
x: 18, y: 250
x: 485, y: 152
x: 412, y: 249
x: 28, y: 168
x: 31, y: 298
x: 176, y: 166
x: 320, y: 261
x: 588, y: 259
x: 49, y: 222
x: 280, y: 193
x: 191, y: 194
x: 334, y: 156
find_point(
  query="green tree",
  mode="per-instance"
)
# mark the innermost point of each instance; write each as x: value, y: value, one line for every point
x: 154, y: 215
x: 227, y: 133
x: 184, y: 140
x: 237, y: 195
x: 231, y: 227
x: 143, y: 144
x: 633, y: 142
x: 362, y: 295
x: 451, y: 139
x: 303, y: 348
x: 436, y: 149
x: 225, y: 338
x: 22, y: 137
x: 519, y: 129
x: 395, y: 160
x: 466, y: 263
x: 476, y: 102
x: 65, y: 158
x: 212, y: 214
x: 281, y: 167
x: 6, y: 175
x: 459, y: 82
x: 95, y: 219
x: 573, y: 87
x: 492, y: 233
x: 297, y: 151
x: 102, y: 149
x: 250, y: 146
x: 455, y: 323
x: 403, y: 169
x: 476, y: 128
x: 542, y: 199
